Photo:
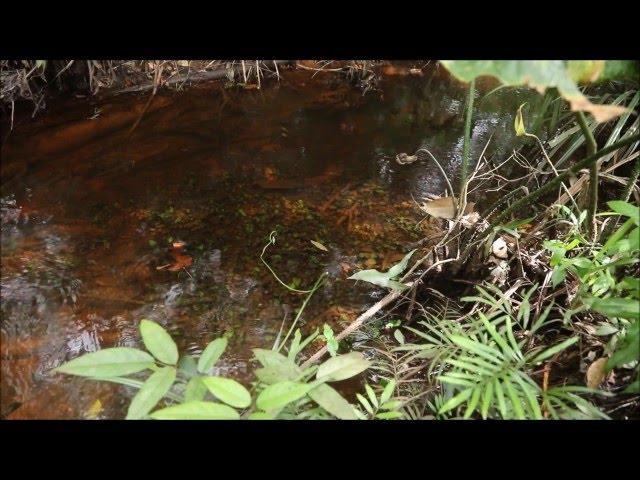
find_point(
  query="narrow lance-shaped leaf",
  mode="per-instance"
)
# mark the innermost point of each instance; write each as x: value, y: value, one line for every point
x: 152, y: 391
x: 109, y: 362
x: 212, y: 354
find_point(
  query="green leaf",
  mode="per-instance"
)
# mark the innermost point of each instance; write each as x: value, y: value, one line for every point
x: 228, y: 390
x: 196, y: 411
x: 334, y: 403
x: 400, y: 267
x: 392, y: 405
x: 212, y: 354
x: 109, y: 362
x: 614, y: 307
x: 371, y: 394
x: 626, y: 209
x: 365, y: 403
x: 195, y: 390
x: 342, y: 367
x: 277, y: 367
x: 455, y: 401
x: 634, y: 387
x: 332, y: 343
x: 627, y: 348
x: 152, y: 391
x: 555, y: 349
x: 384, y: 279
x: 187, y: 364
x: 281, y: 394
x: 538, y: 74
x: 388, y: 415
x: 159, y: 342
x: 397, y: 334
x: 388, y: 391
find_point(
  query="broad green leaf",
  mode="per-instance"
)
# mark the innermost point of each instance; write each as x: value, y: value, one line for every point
x: 195, y: 390
x: 626, y: 209
x: 277, y: 367
x: 229, y: 391
x: 109, y: 362
x: 196, y: 411
x: 585, y: 71
x: 334, y: 403
x: 159, y: 342
x: 397, y: 334
x: 391, y: 405
x: 634, y: 387
x: 212, y: 354
x: 538, y: 74
x: 319, y: 246
x: 156, y: 386
x: 281, y: 394
x: 342, y: 367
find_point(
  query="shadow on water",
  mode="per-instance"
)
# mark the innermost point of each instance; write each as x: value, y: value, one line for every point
x: 89, y: 214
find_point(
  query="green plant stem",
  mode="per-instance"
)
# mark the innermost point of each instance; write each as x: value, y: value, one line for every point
x: 553, y: 184
x: 592, y: 147
x: 464, y: 167
x: 301, y: 309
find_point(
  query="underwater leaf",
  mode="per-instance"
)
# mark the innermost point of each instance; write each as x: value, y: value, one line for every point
x: 228, y: 390
x: 109, y: 362
x: 281, y: 394
x: 319, y: 246
x: 151, y: 392
x: 211, y: 354
x: 159, y: 342
x: 342, y: 367
x: 334, y: 403
x: 196, y: 411
x: 538, y: 74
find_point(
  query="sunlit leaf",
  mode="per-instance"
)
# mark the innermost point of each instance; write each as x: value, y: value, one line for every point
x: 159, y: 342
x: 212, y: 354
x: 109, y: 362
x: 195, y: 390
x: 281, y: 394
x: 228, y: 390
x: 342, y: 367
x: 538, y: 74
x: 151, y: 392
x: 334, y: 403
x: 196, y: 411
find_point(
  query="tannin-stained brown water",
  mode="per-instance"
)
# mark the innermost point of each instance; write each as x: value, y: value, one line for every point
x: 91, y: 209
